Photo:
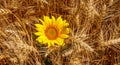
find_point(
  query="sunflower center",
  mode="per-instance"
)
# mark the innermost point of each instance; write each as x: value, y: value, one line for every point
x: 51, y: 33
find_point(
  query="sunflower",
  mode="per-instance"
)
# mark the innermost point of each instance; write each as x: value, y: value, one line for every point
x: 52, y: 31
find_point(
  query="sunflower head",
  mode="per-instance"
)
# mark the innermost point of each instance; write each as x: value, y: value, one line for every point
x: 52, y: 31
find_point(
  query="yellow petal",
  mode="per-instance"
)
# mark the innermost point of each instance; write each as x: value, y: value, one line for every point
x: 39, y: 39
x: 65, y: 23
x: 60, y: 41
x: 45, y: 40
x: 54, y: 21
x: 52, y: 43
x: 40, y: 29
x: 49, y: 44
x: 42, y: 21
x: 47, y: 20
x: 59, y: 19
x: 60, y: 24
x: 38, y: 33
x: 53, y: 18
x: 64, y: 36
x: 63, y: 44
x: 38, y: 25
x: 67, y: 30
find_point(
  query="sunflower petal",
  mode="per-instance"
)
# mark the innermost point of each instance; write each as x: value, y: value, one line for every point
x: 40, y: 29
x: 65, y: 24
x: 49, y: 44
x: 52, y: 43
x: 59, y: 41
x: 53, y: 18
x: 59, y: 19
x: 38, y: 33
x: 67, y: 30
x: 39, y: 39
x: 47, y: 20
x: 42, y: 21
x: 64, y: 36
x: 38, y: 25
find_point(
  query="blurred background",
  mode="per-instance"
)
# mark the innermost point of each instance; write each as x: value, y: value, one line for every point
x: 94, y: 37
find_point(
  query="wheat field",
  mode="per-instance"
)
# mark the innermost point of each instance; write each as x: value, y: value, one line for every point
x: 94, y: 38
